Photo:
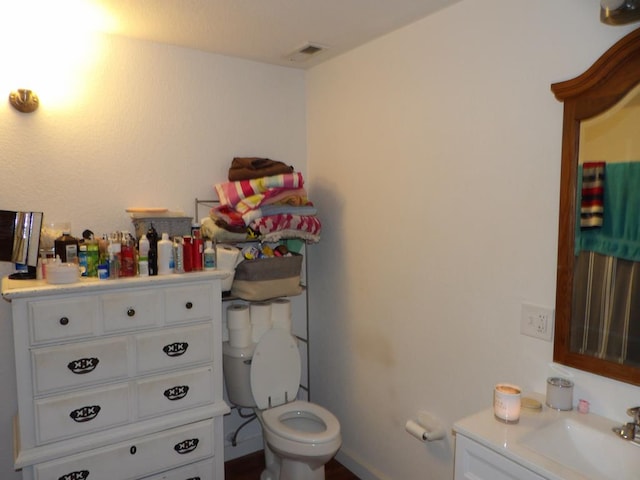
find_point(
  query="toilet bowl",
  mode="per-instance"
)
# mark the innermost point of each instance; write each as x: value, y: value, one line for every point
x: 300, y: 437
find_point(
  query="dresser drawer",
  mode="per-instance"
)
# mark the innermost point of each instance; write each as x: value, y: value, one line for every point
x: 131, y: 310
x: 177, y: 391
x: 82, y: 412
x: 184, y: 304
x: 197, y: 471
x: 137, y: 458
x: 174, y: 348
x: 66, y: 366
x: 62, y: 319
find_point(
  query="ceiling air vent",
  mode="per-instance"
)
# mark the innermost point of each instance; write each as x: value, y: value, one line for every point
x: 304, y: 53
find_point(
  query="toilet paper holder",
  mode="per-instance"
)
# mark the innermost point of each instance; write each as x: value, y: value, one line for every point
x: 426, y: 427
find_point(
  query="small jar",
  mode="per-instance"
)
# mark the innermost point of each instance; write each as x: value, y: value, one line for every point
x: 559, y: 393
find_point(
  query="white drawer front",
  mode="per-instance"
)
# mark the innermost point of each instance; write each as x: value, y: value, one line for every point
x: 130, y: 311
x: 174, y: 348
x: 78, y: 364
x: 198, y: 471
x: 82, y: 412
x: 137, y: 458
x: 183, y: 304
x: 62, y: 319
x: 176, y: 391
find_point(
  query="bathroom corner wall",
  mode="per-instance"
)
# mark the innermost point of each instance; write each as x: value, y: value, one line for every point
x: 148, y: 125
x: 434, y: 154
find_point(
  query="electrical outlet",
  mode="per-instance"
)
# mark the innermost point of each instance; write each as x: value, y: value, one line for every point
x: 536, y: 321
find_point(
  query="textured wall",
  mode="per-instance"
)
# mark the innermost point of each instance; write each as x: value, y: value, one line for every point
x: 148, y: 125
x: 435, y: 155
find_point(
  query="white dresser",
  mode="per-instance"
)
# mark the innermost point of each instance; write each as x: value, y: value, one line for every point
x: 119, y: 379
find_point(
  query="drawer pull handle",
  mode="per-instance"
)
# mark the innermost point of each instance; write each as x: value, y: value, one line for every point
x: 85, y: 414
x: 83, y: 365
x: 193, y: 478
x: 176, y: 393
x: 131, y: 312
x: 175, y: 349
x: 186, y: 446
x: 64, y: 321
x: 133, y: 450
x: 79, y: 475
x: 189, y: 305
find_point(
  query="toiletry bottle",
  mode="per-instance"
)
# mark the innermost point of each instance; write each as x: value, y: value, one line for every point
x: 209, y: 256
x: 82, y: 259
x: 152, y: 236
x: 178, y: 255
x: 128, y: 255
x: 198, y: 251
x: 66, y: 247
x: 93, y: 257
x: 165, y: 255
x: 187, y: 247
x: 143, y: 256
x: 114, y: 249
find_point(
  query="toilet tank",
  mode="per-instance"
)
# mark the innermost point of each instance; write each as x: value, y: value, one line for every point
x: 236, y: 366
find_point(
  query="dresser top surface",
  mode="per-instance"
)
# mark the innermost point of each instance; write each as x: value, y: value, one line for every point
x: 14, y: 289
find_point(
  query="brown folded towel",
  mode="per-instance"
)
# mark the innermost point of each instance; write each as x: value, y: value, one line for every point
x: 248, y: 168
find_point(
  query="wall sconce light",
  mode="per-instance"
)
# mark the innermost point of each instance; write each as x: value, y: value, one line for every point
x: 619, y: 12
x: 24, y: 100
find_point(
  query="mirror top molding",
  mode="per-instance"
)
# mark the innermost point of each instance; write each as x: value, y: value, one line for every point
x: 600, y: 87
x: 623, y: 55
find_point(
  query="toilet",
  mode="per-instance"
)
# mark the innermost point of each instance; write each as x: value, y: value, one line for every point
x: 299, y: 437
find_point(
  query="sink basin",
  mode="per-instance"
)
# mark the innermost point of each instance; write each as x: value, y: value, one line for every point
x: 586, y: 444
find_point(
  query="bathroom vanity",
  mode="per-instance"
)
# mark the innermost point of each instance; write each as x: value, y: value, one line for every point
x: 119, y: 379
x: 543, y: 445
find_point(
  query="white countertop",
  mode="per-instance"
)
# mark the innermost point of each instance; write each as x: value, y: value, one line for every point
x: 505, y: 440
x: 26, y: 288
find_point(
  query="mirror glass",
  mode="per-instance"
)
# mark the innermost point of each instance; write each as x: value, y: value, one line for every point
x: 606, y: 283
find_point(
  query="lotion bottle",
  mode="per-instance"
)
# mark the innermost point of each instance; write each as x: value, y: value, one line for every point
x: 165, y: 255
x: 143, y: 256
x: 209, y: 256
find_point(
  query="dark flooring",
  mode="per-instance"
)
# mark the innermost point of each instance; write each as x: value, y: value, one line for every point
x: 249, y: 468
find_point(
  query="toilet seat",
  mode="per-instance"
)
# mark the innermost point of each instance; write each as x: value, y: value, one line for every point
x: 275, y: 369
x: 327, y: 426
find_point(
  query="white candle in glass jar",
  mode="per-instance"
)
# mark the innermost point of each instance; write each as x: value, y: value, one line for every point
x: 507, y: 402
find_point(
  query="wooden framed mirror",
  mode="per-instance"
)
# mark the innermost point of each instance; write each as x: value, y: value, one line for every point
x: 602, y: 337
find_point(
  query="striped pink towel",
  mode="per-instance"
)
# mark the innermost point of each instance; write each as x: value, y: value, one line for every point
x: 231, y: 193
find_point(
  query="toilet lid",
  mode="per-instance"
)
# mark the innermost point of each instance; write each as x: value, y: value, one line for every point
x: 275, y: 369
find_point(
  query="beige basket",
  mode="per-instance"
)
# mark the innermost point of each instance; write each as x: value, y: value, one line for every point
x: 179, y: 226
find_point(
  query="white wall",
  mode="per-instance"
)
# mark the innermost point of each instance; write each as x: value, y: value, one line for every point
x: 151, y: 125
x: 434, y: 158
x: 434, y: 154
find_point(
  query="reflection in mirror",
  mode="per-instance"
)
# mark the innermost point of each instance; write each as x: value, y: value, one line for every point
x: 598, y: 277
x: 606, y: 288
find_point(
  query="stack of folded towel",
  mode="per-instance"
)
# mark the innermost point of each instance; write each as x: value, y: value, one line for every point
x: 263, y: 200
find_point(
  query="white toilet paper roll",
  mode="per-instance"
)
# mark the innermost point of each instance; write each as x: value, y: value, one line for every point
x: 416, y: 430
x: 239, y: 325
x: 238, y: 316
x: 260, y: 319
x: 281, y: 314
x: 422, y: 434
